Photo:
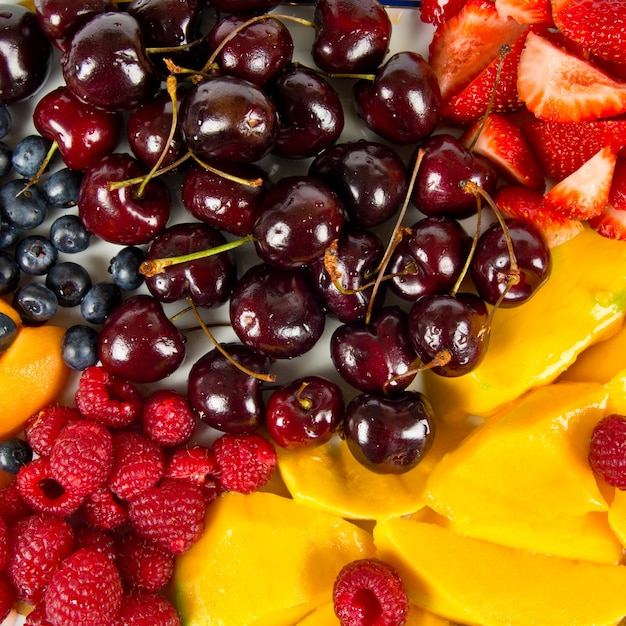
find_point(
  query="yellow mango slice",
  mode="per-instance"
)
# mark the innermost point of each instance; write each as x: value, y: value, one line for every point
x: 617, y: 515
x: 328, y: 477
x: 617, y: 394
x: 583, y: 302
x: 263, y: 560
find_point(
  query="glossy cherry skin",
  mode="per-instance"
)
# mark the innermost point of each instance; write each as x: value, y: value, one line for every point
x: 25, y: 54
x: 369, y: 355
x: 225, y: 397
x: 139, y: 343
x: 403, y: 102
x: 118, y: 215
x: 106, y: 64
x: 274, y: 313
x: 353, y: 35
x: 244, y: 6
x: 389, y: 434
x: 305, y: 412
x: 83, y: 133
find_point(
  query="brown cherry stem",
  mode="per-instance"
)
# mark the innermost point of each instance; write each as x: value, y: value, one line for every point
x: 439, y: 360
x: 248, y: 182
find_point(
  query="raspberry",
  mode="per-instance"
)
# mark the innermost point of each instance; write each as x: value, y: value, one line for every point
x: 43, y: 427
x: 246, y: 462
x: 138, y: 464
x: 102, y: 510
x: 43, y: 493
x: 607, y: 450
x: 7, y: 596
x: 194, y: 463
x: 369, y: 592
x: 85, y: 590
x: 39, y: 544
x: 82, y: 456
x: 145, y: 608
x: 4, y: 544
x: 143, y: 564
x: 12, y: 506
x: 37, y: 617
x: 107, y: 399
x: 170, y: 514
x: 96, y: 539
x: 167, y: 418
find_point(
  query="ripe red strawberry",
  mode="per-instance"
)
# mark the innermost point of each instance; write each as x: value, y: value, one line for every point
x: 501, y: 141
x: 526, y: 11
x: 617, y: 195
x: 599, y: 26
x: 437, y: 12
x: 611, y: 223
x: 559, y: 86
x: 467, y: 43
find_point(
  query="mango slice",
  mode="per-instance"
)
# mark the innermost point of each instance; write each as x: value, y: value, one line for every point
x: 617, y: 394
x: 583, y: 302
x: 263, y: 560
x: 473, y: 581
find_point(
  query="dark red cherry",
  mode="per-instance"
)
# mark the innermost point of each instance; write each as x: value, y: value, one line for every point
x: 119, y: 215
x: 274, y: 313
x: 106, y: 64
x: 305, y: 412
x: 25, y: 54
x: 139, y: 343
x: 228, y: 118
x: 369, y: 355
x: 389, y: 435
x: 403, y: 102
x: 222, y: 395
x: 207, y: 282
x: 84, y: 134
x: 353, y: 35
x: 244, y: 6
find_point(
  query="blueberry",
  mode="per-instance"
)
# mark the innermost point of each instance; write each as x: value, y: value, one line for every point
x: 14, y: 453
x: 61, y: 188
x: 79, y: 347
x: 69, y: 282
x: 99, y: 301
x: 8, y: 235
x: 8, y: 332
x: 5, y: 121
x: 25, y: 210
x: 68, y: 234
x: 35, y: 255
x: 6, y: 156
x: 29, y: 155
x: 35, y: 303
x: 124, y: 267
x: 10, y: 273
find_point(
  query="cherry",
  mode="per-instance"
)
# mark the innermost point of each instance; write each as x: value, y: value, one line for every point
x: 83, y: 134
x: 139, y: 343
x: 207, y: 282
x: 274, y: 312
x: 353, y: 35
x: 305, y: 412
x: 228, y: 118
x: 389, y: 434
x: 119, y: 215
x: 106, y: 64
x: 244, y: 6
x: 403, y: 102
x: 224, y: 396
x: 375, y: 356
x: 25, y: 54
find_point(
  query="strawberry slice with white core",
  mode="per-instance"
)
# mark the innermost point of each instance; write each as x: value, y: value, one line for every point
x: 611, y: 223
x: 526, y: 11
x: 559, y: 86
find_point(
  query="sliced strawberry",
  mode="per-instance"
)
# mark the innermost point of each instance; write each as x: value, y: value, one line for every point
x: 526, y: 11
x: 500, y: 141
x: 464, y: 45
x: 472, y: 102
x: 611, y: 223
x: 562, y: 148
x: 436, y: 12
x: 585, y: 192
x: 598, y: 26
x: 527, y: 204
x: 617, y: 195
x: 559, y: 86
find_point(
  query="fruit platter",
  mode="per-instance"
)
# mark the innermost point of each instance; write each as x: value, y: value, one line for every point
x: 312, y: 313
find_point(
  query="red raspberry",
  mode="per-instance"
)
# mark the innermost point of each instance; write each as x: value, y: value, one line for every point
x: 107, y: 399
x: 607, y: 450
x: 39, y: 544
x: 96, y: 539
x: 7, y: 596
x: 12, y: 506
x: 142, y: 563
x: 145, y: 608
x: 82, y: 456
x: 138, y: 464
x: 42, y: 492
x: 246, y: 462
x: 86, y: 590
x: 43, y: 427
x: 104, y: 511
x: 369, y: 592
x: 4, y: 544
x: 170, y: 514
x: 194, y: 463
x: 37, y: 617
x: 167, y: 418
